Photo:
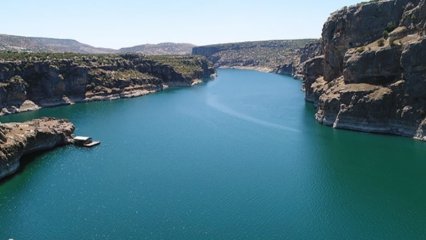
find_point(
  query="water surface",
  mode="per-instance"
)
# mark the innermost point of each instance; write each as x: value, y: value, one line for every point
x: 240, y: 157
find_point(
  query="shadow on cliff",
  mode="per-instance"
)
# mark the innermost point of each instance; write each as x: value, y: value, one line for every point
x: 25, y: 161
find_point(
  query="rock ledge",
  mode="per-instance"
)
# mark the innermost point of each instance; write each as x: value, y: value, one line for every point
x: 19, y: 139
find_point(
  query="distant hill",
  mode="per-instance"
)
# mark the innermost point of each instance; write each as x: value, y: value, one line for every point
x: 160, y: 49
x: 272, y: 56
x: 53, y: 45
x: 36, y: 44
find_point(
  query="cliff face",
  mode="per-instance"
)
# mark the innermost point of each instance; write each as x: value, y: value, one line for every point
x: 279, y: 56
x: 372, y: 74
x: 30, y: 81
x: 18, y: 139
x: 304, y: 54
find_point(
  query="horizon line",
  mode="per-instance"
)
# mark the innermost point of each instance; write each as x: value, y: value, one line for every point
x: 161, y: 42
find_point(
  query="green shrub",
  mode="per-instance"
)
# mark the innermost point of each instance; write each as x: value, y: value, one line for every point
x: 385, y: 34
x: 390, y: 27
x: 360, y: 50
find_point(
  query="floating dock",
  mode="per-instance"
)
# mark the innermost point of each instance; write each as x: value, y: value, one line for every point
x: 83, y: 141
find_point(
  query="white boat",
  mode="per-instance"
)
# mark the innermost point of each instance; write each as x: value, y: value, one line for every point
x: 84, y: 141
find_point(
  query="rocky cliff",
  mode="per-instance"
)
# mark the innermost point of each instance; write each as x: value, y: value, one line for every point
x: 29, y: 81
x: 19, y: 139
x: 372, y: 74
x: 279, y: 56
x: 309, y: 51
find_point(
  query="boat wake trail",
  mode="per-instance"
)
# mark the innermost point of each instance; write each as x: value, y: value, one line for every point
x: 213, y: 102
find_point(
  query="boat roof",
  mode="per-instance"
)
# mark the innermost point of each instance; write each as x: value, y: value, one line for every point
x: 92, y: 144
x: 81, y: 138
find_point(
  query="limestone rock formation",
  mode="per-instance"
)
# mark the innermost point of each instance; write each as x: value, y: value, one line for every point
x: 19, y: 139
x: 372, y: 74
x: 278, y: 56
x: 29, y: 81
x: 310, y: 51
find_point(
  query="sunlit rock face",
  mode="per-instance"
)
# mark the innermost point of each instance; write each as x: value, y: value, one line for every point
x: 31, y: 81
x: 19, y: 139
x: 372, y: 76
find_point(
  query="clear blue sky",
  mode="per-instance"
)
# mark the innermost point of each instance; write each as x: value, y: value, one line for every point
x: 123, y: 23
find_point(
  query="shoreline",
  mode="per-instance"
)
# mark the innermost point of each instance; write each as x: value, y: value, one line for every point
x: 259, y: 69
x: 263, y: 70
x: 394, y: 129
x: 134, y: 92
x: 22, y: 139
x: 391, y: 128
x: 33, y: 81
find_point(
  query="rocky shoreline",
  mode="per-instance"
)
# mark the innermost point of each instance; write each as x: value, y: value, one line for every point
x: 259, y: 69
x: 278, y: 56
x: 371, y: 73
x: 131, y: 92
x: 32, y: 81
x: 19, y: 139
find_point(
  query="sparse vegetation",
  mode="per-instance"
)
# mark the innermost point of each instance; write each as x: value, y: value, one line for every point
x: 182, y: 64
x: 391, y: 26
x: 269, y: 54
x: 360, y: 49
x: 160, y: 49
x: 385, y: 34
x: 104, y: 71
x: 366, y: 2
x: 94, y: 76
x: 36, y: 44
x: 381, y: 43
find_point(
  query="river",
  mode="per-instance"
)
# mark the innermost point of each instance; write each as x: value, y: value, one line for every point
x: 240, y: 157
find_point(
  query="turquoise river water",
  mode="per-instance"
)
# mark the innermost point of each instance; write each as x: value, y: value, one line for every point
x: 240, y: 157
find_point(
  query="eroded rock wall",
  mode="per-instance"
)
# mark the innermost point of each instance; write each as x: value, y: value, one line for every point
x: 30, y: 82
x: 19, y: 139
x: 278, y: 56
x: 372, y: 76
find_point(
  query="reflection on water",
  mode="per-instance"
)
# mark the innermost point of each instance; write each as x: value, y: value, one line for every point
x: 214, y: 103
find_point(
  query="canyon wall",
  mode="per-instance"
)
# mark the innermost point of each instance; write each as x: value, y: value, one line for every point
x: 278, y: 56
x: 29, y: 81
x: 371, y: 75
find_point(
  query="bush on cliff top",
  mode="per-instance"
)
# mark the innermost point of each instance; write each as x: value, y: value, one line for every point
x: 185, y: 65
